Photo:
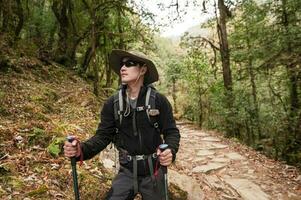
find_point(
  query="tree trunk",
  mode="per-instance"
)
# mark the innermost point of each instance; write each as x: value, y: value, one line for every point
x: 224, y: 47
x: 174, y: 96
x: 21, y: 19
x: 51, y: 38
x: 200, y: 105
x: 255, y: 106
x: 292, y: 70
x: 61, y: 16
x: 231, y: 129
x: 67, y: 42
x: 120, y: 30
x: 87, y: 59
x: 93, y: 52
x: 200, y: 93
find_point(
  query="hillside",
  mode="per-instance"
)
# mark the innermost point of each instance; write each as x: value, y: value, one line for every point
x: 39, y: 106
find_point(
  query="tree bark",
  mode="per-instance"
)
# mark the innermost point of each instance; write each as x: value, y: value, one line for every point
x: 120, y: 30
x: 224, y: 47
x: 174, y: 96
x: 93, y: 50
x: 292, y: 71
x: 60, y: 13
x: 68, y: 41
x: 252, y: 76
x: 231, y: 129
x: 20, y: 15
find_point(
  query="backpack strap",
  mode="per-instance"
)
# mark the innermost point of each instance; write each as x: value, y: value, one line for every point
x: 147, y: 99
x: 118, y: 106
x: 150, y: 103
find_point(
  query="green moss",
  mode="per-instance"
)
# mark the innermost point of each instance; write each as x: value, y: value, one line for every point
x: 39, y: 192
x: 39, y: 136
x: 15, y: 182
x: 2, y: 94
x: 50, y: 94
x: 36, y: 134
x: 36, y: 98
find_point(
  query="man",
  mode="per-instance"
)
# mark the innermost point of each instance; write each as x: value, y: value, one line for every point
x: 135, y: 128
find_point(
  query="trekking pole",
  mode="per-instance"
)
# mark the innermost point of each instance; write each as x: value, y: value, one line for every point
x: 162, y: 147
x: 74, y: 173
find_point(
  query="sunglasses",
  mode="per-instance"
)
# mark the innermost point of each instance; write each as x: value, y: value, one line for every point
x: 130, y: 63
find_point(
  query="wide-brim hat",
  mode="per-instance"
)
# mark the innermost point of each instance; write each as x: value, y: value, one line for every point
x: 117, y: 55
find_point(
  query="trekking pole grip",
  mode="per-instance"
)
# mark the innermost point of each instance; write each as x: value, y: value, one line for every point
x: 163, y: 147
x: 70, y: 139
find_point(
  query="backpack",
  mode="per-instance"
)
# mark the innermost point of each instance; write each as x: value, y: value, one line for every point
x: 149, y: 106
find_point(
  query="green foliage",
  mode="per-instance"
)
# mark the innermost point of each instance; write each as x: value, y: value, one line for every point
x: 36, y: 135
x: 264, y: 41
x: 55, y: 147
x: 38, y: 27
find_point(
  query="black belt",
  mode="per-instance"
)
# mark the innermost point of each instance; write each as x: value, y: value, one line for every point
x: 140, y: 157
x: 136, y: 158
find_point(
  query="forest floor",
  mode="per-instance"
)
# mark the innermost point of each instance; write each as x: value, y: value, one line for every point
x: 41, y: 104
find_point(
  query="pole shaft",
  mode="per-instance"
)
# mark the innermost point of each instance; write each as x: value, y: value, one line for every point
x: 75, y: 182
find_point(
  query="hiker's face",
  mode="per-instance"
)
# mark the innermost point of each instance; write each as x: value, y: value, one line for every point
x: 130, y: 70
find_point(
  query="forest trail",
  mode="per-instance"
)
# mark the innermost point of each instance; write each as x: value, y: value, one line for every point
x: 224, y: 169
x: 210, y: 166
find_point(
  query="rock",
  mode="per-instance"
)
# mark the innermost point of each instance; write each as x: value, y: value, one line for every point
x: 222, y: 160
x: 217, y: 146
x: 298, y: 178
x: 207, y: 168
x: 200, y: 159
x: 205, y: 153
x: 247, y: 189
x: 19, y: 138
x: 235, y: 156
x: 109, y: 164
x: 211, y: 139
x: 187, y: 184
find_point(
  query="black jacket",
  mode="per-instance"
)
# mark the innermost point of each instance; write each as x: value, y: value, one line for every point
x: 148, y: 138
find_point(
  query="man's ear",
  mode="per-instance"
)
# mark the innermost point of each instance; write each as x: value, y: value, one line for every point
x: 143, y: 70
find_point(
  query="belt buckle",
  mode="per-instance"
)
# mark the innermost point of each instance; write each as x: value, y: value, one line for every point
x: 140, y: 157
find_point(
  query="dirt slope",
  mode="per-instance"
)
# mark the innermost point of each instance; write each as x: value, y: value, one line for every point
x: 40, y: 105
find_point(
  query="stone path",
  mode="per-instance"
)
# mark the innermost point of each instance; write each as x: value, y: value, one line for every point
x: 210, y: 167
x: 224, y: 169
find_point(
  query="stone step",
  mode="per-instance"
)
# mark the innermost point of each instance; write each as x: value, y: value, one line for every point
x: 247, y: 189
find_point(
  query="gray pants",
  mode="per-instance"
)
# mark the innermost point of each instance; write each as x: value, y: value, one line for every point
x: 123, y: 186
